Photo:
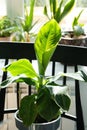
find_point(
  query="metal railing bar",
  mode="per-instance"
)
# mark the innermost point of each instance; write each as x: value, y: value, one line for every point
x: 7, y: 111
x: 69, y: 116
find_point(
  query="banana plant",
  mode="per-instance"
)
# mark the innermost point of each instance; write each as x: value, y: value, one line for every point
x: 46, y: 103
x: 58, y: 10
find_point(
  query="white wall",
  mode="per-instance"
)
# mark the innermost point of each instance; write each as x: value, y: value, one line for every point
x: 2, y: 8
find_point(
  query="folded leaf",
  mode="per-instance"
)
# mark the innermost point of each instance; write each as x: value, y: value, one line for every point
x: 45, y: 44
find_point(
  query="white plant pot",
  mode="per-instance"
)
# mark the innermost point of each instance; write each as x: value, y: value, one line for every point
x: 53, y: 125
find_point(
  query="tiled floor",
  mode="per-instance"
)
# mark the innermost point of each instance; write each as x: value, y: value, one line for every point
x: 8, y: 123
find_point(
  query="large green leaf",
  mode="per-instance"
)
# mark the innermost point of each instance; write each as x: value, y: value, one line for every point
x: 28, y: 109
x: 45, y: 44
x: 22, y: 66
x: 63, y: 101
x: 47, y: 107
x: 61, y: 97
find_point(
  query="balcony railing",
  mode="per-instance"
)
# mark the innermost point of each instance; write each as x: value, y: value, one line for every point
x: 64, y: 55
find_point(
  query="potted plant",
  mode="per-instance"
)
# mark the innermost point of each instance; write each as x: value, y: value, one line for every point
x: 42, y: 109
x: 77, y: 36
x: 7, y: 27
x: 25, y: 25
x: 58, y: 9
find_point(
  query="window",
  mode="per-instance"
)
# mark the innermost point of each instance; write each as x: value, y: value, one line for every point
x: 81, y: 3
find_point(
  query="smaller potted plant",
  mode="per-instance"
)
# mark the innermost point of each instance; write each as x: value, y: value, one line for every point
x: 7, y: 27
x: 58, y: 11
x: 77, y: 36
x: 41, y: 110
x: 24, y: 25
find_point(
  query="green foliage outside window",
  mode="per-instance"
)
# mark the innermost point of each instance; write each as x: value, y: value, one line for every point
x: 79, y: 3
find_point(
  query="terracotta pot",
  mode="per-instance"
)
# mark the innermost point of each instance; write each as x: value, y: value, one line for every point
x: 4, y: 38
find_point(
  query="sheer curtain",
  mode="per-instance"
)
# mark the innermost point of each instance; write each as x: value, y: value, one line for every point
x: 15, y: 8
